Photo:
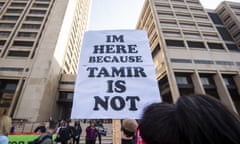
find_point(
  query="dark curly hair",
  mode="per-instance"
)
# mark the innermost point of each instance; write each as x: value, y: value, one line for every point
x: 195, y: 119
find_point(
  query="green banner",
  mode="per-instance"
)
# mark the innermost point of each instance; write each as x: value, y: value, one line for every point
x: 23, y: 138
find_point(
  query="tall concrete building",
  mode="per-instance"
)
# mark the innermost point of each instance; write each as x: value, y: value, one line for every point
x: 191, y: 52
x: 39, y: 44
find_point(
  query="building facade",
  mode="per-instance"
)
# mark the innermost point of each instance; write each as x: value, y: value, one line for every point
x: 191, y: 52
x: 39, y: 43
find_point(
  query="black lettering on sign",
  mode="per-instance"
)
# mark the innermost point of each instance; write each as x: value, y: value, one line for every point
x: 117, y: 103
x: 116, y: 72
x: 114, y: 38
x: 119, y: 86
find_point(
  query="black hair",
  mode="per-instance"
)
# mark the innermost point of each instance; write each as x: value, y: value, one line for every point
x: 196, y: 119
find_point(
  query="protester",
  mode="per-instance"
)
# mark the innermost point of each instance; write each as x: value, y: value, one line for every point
x: 5, y: 126
x: 91, y: 133
x: 63, y: 133
x: 41, y: 128
x: 100, y: 129
x: 129, y: 127
x: 139, y: 139
x: 196, y: 119
x: 77, y: 132
x: 45, y: 138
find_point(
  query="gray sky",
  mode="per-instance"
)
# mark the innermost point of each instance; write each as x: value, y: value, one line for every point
x: 123, y: 14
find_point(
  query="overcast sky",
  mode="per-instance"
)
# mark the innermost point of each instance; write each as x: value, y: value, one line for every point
x: 124, y: 14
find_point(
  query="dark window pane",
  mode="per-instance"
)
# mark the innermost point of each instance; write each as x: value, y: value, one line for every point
x: 215, y: 45
x: 215, y: 18
x: 193, y: 44
x: 176, y: 43
x: 19, y: 53
x: 224, y: 33
x: 156, y: 50
x: 232, y: 47
x: 23, y: 43
x: 31, y: 26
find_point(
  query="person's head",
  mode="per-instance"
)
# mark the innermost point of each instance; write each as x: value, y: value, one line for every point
x: 63, y: 123
x: 52, y: 128
x: 5, y: 123
x: 129, y: 127
x: 196, y: 119
x: 77, y: 124
x: 91, y: 123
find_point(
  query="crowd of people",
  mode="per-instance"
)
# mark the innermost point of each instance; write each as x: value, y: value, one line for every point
x: 194, y: 119
x: 67, y: 134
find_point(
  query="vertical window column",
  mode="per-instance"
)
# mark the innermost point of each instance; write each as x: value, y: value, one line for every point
x: 223, y: 91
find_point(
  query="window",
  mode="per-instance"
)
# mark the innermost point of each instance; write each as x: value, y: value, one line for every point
x: 222, y: 11
x: 164, y: 87
x: 1, y: 4
x: 39, y: 19
x: 4, y: 33
x: 224, y: 63
x: 203, y: 62
x: 43, y: 0
x: 37, y: 5
x: 192, y: 34
x: 11, y: 69
x: 10, y: 18
x: 224, y: 33
x: 165, y: 14
x: 187, y: 25
x: 66, y: 96
x: 237, y: 34
x: 166, y: 23
x: 215, y: 45
x: 205, y: 81
x: 195, y: 44
x: 23, y: 43
x: 193, y: 1
x: 180, y: 7
x: 171, y: 33
x: 162, y: 6
x: 178, y: 0
x: 27, y: 34
x: 232, y: 26
x: 31, y: 26
x: 183, y: 16
x: 226, y: 18
x: 2, y: 42
x: 67, y: 82
x: 205, y: 26
x: 232, y: 88
x: 16, y: 11
x: 232, y: 47
x: 184, y: 82
x: 196, y: 9
x: 155, y: 51
x: 215, y: 18
x: 229, y: 82
x: 175, y: 43
x: 175, y: 60
x: 238, y: 63
x: 201, y: 17
x: 18, y: 4
x: 7, y: 25
x: 37, y: 12
x: 18, y: 53
x: 210, y: 36
x: 181, y: 80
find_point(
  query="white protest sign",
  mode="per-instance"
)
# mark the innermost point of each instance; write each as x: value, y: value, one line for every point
x: 116, y: 77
